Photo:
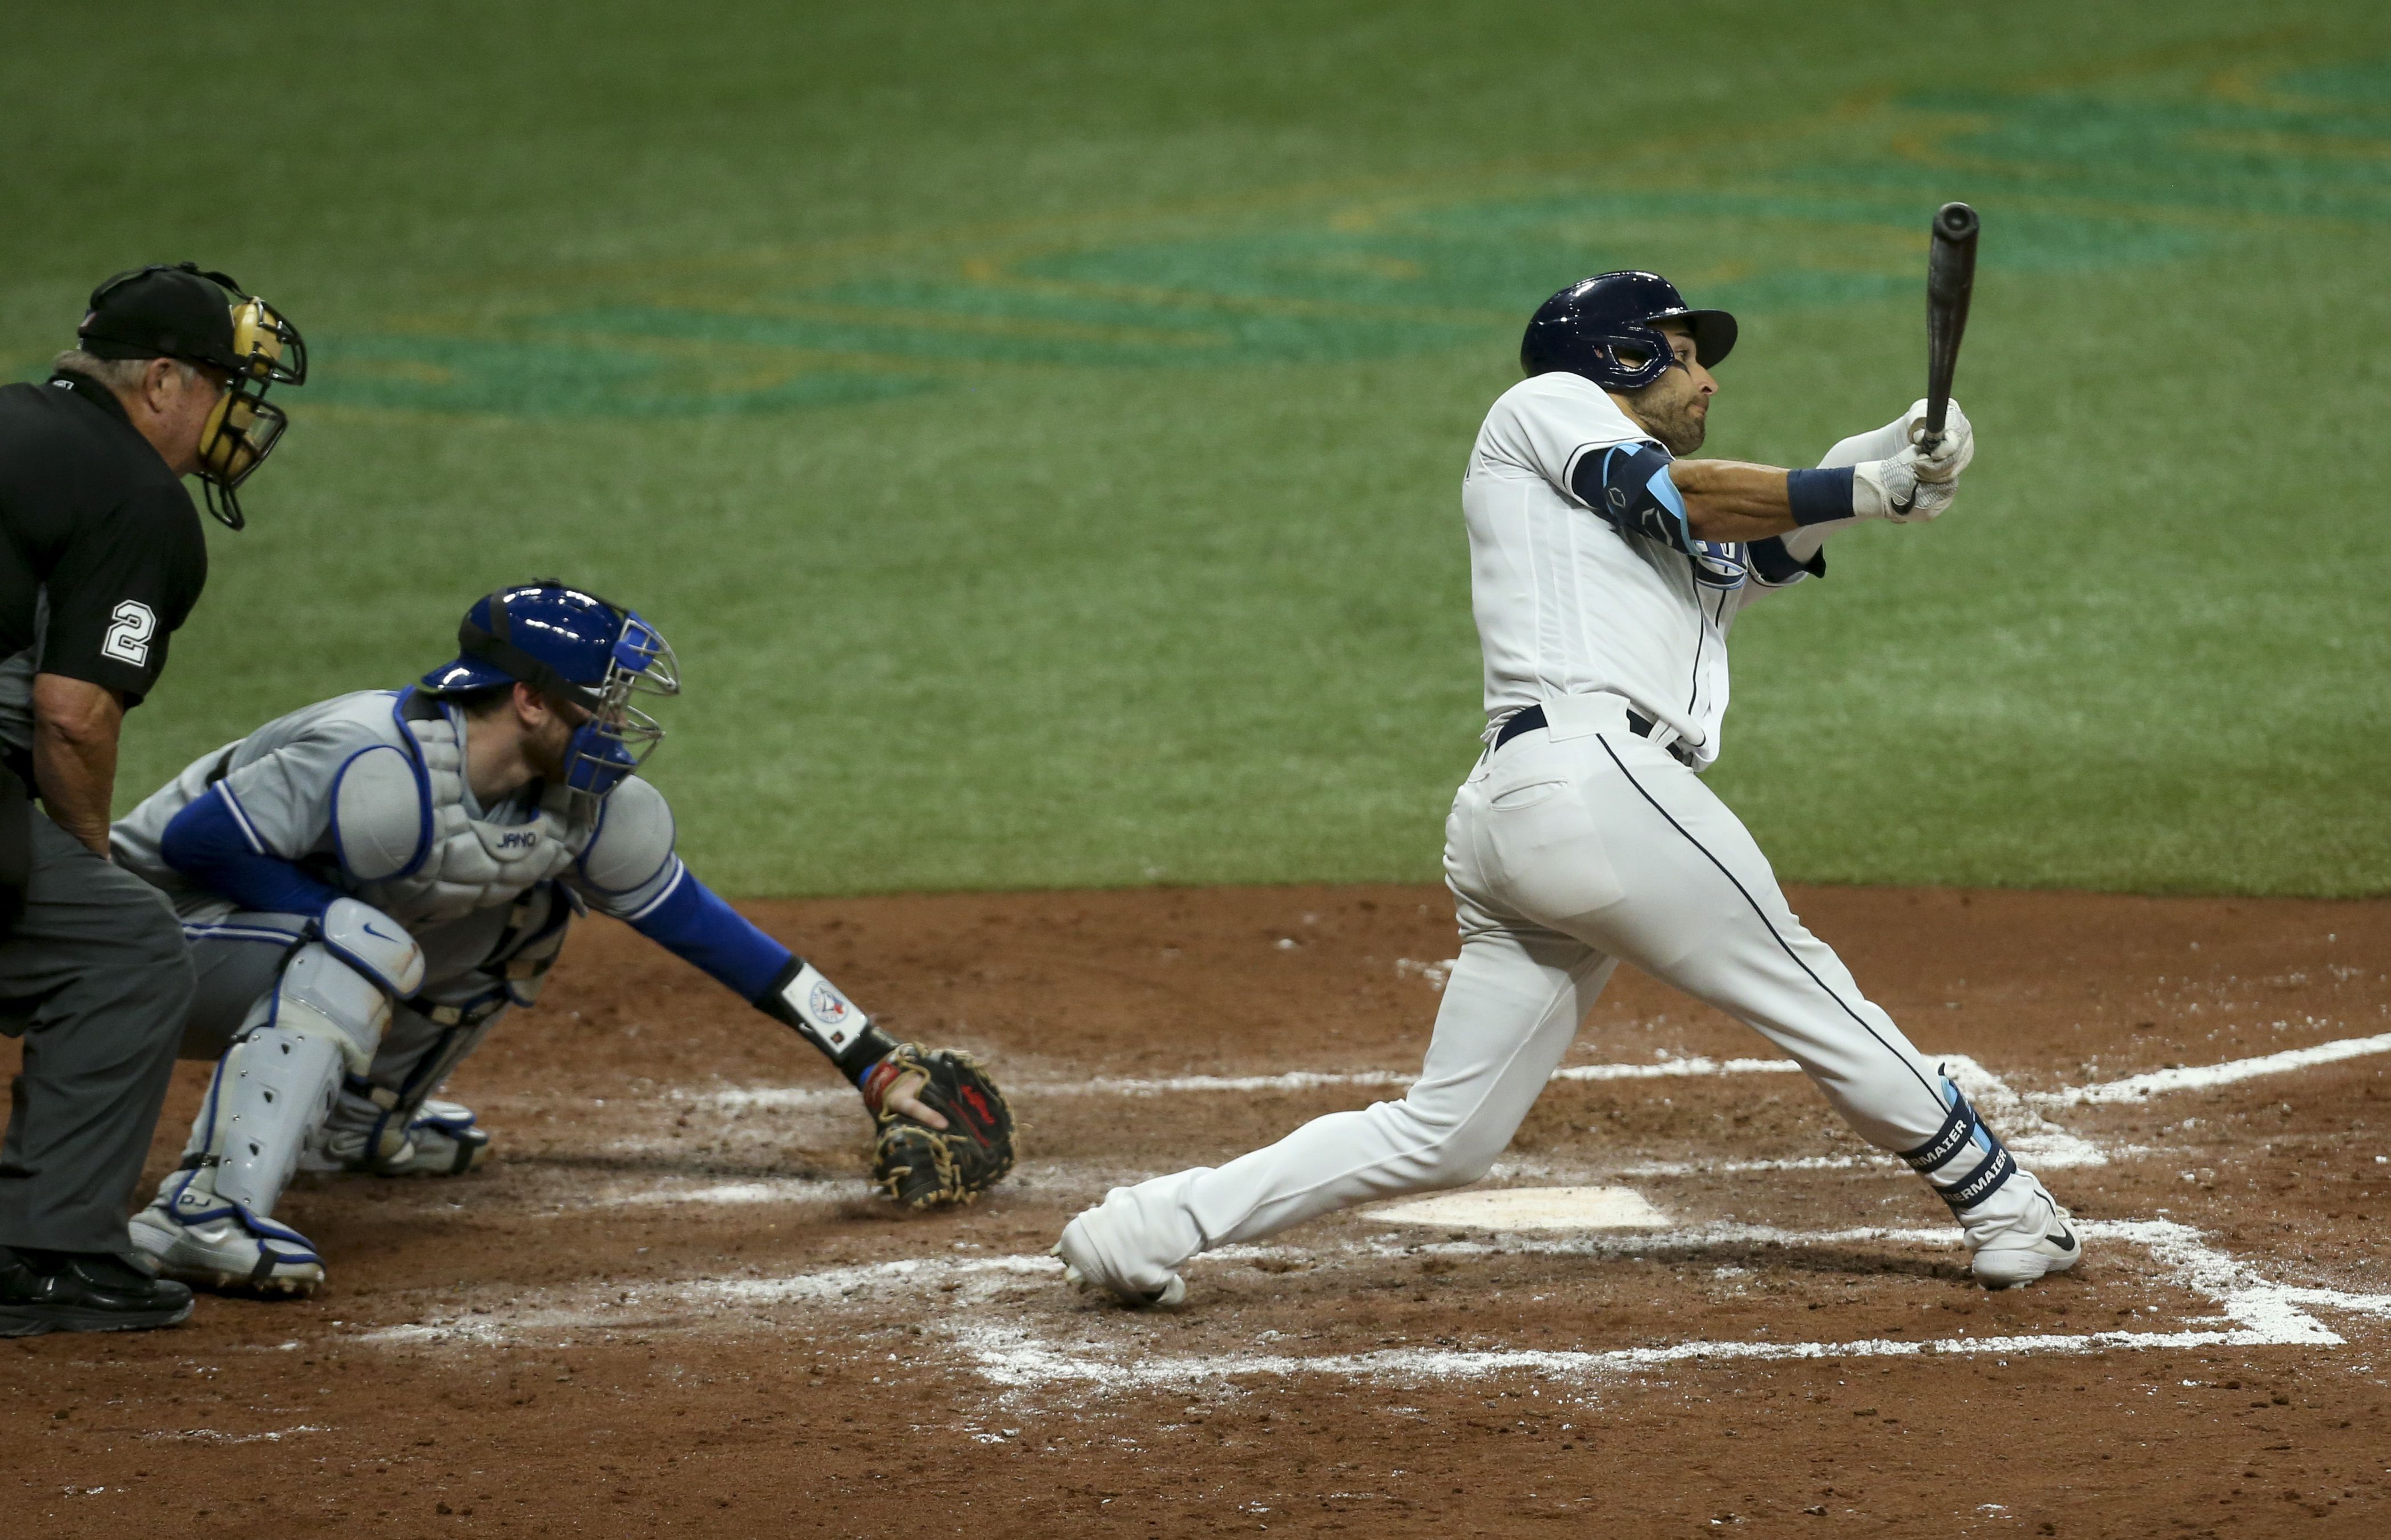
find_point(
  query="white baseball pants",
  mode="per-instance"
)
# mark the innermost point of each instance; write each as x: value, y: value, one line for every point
x: 1570, y: 850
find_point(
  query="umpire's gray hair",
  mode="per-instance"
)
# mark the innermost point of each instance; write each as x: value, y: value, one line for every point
x: 117, y: 374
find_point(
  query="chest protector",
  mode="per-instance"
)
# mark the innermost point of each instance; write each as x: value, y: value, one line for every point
x: 469, y: 864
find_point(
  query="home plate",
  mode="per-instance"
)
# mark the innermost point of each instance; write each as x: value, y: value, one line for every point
x: 1531, y: 1209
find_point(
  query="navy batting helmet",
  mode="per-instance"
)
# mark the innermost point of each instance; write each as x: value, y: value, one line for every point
x: 1602, y: 329
x: 573, y: 646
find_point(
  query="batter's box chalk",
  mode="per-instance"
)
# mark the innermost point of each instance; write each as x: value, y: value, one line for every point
x: 2262, y: 1313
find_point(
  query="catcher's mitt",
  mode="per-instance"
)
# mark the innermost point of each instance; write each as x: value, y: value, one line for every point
x: 923, y: 1167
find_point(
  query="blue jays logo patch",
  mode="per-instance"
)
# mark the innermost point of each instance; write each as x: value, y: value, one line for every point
x: 1720, y: 564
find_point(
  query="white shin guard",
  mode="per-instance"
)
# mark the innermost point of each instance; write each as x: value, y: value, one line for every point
x: 211, y: 1223
x: 322, y: 995
x: 274, y: 1088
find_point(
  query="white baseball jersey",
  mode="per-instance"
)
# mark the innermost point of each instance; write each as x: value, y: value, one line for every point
x: 1570, y: 604
x: 1583, y: 844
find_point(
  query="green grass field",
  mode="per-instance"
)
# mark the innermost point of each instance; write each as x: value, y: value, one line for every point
x: 1040, y: 427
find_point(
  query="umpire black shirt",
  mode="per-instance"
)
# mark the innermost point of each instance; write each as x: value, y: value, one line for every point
x: 101, y: 553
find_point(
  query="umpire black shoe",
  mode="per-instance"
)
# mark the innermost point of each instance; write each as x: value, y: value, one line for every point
x: 83, y: 1292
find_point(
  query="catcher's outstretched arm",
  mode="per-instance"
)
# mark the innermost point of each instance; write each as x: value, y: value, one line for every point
x: 692, y: 921
x: 629, y: 871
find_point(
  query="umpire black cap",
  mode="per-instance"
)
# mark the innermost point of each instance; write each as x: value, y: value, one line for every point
x: 163, y: 311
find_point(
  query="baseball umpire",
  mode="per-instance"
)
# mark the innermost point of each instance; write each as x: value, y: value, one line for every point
x: 371, y: 883
x: 101, y: 559
x: 1604, y: 574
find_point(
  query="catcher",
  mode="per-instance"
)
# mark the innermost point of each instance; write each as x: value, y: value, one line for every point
x: 369, y: 883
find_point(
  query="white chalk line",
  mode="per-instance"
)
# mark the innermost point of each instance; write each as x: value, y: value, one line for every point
x: 2199, y: 1077
x: 2039, y: 1157
x: 957, y: 1280
x: 2269, y: 1314
x: 1989, y: 1090
x: 2038, y: 1142
x: 1014, y: 1358
x: 816, y: 1190
x: 2035, y: 1140
x: 783, y: 1189
x: 2262, y: 1313
x: 2266, y: 1314
x: 1010, y: 1359
x: 779, y: 1098
x: 208, y: 1435
x: 969, y: 1280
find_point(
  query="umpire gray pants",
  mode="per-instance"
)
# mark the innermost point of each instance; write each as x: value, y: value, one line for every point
x: 96, y: 980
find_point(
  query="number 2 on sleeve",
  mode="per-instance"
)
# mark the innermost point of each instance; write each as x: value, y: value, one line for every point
x: 128, y: 638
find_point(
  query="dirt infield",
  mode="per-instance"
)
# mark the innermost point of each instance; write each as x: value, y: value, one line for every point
x: 668, y: 1305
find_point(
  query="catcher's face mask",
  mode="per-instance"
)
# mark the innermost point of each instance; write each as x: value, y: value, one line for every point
x: 245, y: 427
x: 619, y: 736
x: 580, y: 651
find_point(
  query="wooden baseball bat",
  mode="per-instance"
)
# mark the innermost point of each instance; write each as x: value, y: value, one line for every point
x: 1950, y: 281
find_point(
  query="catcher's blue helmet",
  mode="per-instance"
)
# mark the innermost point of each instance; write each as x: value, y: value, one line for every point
x: 1601, y: 328
x: 574, y: 647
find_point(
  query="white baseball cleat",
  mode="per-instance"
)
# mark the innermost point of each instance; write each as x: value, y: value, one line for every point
x: 225, y: 1250
x: 1084, y: 1267
x: 2042, y: 1242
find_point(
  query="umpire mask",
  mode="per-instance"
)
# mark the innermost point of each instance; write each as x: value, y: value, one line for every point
x: 245, y: 427
x: 176, y: 311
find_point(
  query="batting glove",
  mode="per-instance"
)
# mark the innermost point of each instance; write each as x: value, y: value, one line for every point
x: 1952, y: 452
x: 1894, y: 489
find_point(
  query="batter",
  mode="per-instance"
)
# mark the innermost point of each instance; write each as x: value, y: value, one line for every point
x: 1606, y: 573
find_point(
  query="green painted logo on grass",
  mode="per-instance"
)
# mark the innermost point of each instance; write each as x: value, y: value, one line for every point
x: 2069, y: 182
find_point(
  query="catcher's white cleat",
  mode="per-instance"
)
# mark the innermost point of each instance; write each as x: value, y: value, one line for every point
x: 1085, y: 1267
x: 2040, y: 1242
x: 221, y: 1248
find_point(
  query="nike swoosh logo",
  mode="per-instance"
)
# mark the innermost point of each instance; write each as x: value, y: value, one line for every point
x: 369, y: 930
x: 2066, y: 1241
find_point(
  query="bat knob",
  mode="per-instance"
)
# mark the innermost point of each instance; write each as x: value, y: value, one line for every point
x: 1955, y: 222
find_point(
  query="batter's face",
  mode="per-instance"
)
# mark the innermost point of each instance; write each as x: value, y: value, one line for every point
x: 1675, y: 409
